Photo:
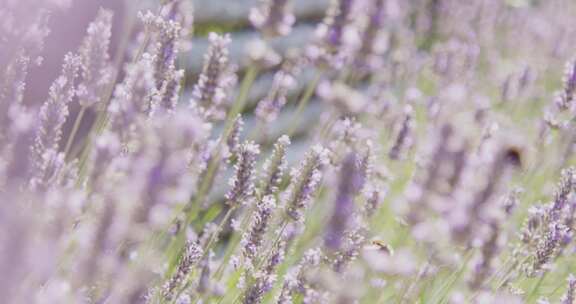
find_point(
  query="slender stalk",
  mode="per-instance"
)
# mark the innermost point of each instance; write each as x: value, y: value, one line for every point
x: 74, y: 131
x: 534, y: 290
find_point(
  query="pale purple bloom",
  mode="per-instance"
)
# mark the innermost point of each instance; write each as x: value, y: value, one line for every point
x: 273, y: 17
x: 275, y: 166
x: 348, y: 187
x: 243, y: 180
x: 96, y: 67
x: 210, y: 92
x: 305, y: 181
x: 570, y: 296
x: 191, y: 256
x: 252, y: 241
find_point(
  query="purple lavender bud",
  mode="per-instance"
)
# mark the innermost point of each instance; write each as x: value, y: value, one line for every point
x: 96, y: 68
x: 54, y: 111
x: 252, y: 241
x: 243, y: 180
x: 548, y: 247
x: 192, y: 255
x: 565, y: 98
x: 158, y: 168
x: 305, y: 181
x: 570, y: 296
x: 337, y: 21
x: 265, y: 280
x: 368, y: 56
x: 337, y: 37
x: 132, y: 96
x: 350, y: 177
x: 166, y: 49
x: 275, y: 166
x: 295, y: 280
x: 233, y: 140
x: 268, y: 108
x: 273, y: 18
x: 209, y: 93
x: 566, y: 185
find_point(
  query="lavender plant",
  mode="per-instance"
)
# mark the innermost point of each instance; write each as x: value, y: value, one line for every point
x: 373, y: 151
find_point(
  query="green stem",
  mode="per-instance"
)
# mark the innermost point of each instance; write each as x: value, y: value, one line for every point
x: 75, y: 128
x: 534, y: 291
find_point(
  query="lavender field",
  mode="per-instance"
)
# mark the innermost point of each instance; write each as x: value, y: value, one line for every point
x: 288, y: 151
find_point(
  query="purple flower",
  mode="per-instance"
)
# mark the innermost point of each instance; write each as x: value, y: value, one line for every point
x: 96, y: 68
x: 210, y: 92
x: 348, y: 187
x: 273, y: 17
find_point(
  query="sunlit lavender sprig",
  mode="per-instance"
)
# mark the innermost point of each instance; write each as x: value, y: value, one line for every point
x: 269, y: 107
x: 295, y: 280
x: 210, y: 92
x: 96, y: 66
x: 305, y: 181
x: 132, y: 97
x: 265, y: 279
x: 570, y: 296
x: 273, y: 17
x: 349, y: 185
x: 192, y: 255
x: 565, y: 98
x: 253, y: 239
x: 243, y: 180
x: 372, y: 44
x: 337, y: 37
x: 54, y: 111
x: 233, y: 141
x: 274, y: 167
x: 165, y: 48
x: 53, y: 114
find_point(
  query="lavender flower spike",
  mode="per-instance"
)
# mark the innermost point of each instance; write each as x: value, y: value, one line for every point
x: 54, y: 111
x: 350, y: 179
x: 275, y: 166
x: 252, y: 242
x: 243, y: 181
x: 273, y: 17
x: 337, y: 38
x: 566, y: 97
x: 305, y: 181
x: 53, y: 114
x: 96, y: 68
x: 266, y: 278
x: 191, y: 257
x: 369, y: 53
x: 209, y: 93
x: 269, y: 107
x: 570, y: 296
